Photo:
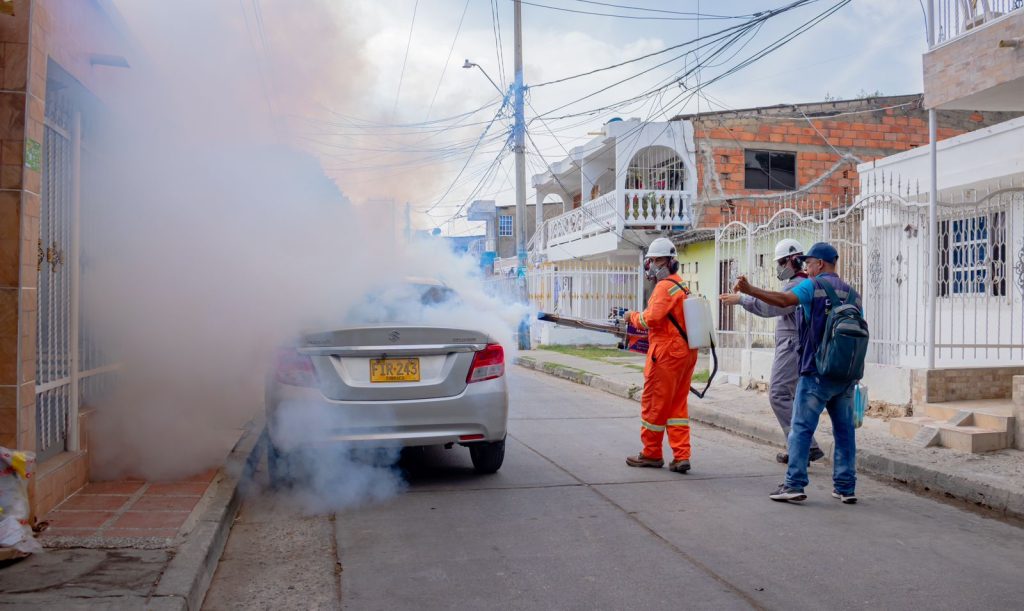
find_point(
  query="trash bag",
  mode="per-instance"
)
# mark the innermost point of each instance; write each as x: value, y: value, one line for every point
x: 860, y: 404
x: 16, y: 469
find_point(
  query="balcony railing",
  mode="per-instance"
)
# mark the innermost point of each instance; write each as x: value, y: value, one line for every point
x: 955, y: 18
x: 615, y: 212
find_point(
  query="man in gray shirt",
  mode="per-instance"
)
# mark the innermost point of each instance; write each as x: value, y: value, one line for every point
x: 786, y: 365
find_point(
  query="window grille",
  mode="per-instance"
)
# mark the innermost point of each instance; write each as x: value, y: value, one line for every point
x: 505, y: 225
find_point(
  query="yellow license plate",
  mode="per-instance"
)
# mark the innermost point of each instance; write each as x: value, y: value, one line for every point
x: 394, y: 370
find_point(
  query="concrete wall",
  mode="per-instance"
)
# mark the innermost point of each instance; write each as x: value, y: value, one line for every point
x: 974, y: 72
x: 941, y: 385
x: 885, y: 383
x: 507, y: 244
x: 972, y: 159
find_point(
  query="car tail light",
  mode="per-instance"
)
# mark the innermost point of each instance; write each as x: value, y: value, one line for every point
x: 293, y: 368
x: 488, y: 364
x: 476, y: 437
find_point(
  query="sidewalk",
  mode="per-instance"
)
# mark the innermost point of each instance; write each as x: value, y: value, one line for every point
x: 133, y: 544
x: 993, y: 481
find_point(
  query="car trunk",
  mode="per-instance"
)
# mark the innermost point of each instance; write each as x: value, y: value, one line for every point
x: 393, y: 363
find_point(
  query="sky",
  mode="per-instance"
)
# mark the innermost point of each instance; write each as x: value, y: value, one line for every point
x: 376, y: 90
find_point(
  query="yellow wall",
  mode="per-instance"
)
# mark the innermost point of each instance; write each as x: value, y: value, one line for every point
x: 697, y: 267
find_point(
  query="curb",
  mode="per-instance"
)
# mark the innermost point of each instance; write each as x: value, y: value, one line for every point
x: 187, y: 577
x: 920, y: 478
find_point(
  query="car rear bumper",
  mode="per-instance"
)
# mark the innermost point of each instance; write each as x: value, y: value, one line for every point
x: 301, y: 417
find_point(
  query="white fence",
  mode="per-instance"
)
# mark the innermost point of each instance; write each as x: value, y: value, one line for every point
x: 976, y: 289
x: 954, y: 18
x: 574, y: 288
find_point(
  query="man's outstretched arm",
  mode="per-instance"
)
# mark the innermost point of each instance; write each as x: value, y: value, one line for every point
x: 776, y: 298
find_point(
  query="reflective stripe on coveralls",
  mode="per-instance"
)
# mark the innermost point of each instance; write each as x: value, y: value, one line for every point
x: 668, y: 374
x: 651, y: 427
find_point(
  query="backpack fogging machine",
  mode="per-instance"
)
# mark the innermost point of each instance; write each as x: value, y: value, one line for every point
x: 699, y: 333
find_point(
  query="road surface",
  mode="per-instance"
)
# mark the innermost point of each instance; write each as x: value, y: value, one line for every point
x: 566, y: 524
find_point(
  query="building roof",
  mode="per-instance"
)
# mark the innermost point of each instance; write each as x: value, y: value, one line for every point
x: 811, y: 109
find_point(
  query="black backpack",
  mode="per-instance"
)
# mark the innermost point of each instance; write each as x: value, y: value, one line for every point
x: 844, y: 344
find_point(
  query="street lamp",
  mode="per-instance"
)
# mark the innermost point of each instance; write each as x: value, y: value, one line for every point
x: 470, y: 65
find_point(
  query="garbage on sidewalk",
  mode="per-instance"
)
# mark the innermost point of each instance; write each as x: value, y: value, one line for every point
x: 16, y: 536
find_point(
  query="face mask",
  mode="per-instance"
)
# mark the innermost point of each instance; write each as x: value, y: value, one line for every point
x: 656, y: 272
x: 784, y: 271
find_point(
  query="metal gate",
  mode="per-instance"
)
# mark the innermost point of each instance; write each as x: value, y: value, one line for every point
x: 57, y: 259
x: 976, y: 289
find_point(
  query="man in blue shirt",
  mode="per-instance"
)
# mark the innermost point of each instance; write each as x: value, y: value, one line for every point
x: 814, y: 393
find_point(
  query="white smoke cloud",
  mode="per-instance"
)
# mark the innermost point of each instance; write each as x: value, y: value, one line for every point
x: 208, y: 242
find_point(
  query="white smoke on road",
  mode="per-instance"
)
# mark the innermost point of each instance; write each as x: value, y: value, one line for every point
x: 207, y: 243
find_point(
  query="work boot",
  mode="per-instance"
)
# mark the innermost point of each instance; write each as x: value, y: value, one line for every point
x: 679, y: 466
x: 816, y: 454
x: 642, y: 461
x: 782, y: 457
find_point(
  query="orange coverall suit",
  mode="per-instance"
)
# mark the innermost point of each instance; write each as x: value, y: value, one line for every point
x: 669, y: 371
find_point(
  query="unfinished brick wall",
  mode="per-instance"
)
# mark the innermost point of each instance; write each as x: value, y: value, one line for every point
x: 865, y: 129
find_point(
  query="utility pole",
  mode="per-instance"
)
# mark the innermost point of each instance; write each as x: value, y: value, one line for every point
x: 933, y: 213
x: 520, y: 151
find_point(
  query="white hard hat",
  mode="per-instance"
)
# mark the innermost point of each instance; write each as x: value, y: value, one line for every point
x: 662, y: 247
x: 787, y: 247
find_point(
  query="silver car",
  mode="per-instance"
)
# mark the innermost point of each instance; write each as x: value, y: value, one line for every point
x: 389, y: 385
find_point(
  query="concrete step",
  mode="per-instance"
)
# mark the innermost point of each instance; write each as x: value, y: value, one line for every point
x: 996, y: 414
x: 969, y: 438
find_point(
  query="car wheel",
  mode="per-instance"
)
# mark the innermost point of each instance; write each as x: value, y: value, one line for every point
x: 279, y: 467
x: 487, y: 457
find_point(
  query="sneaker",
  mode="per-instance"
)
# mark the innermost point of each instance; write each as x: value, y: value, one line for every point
x: 816, y: 454
x: 642, y: 461
x: 782, y: 457
x: 784, y: 493
x: 679, y: 466
x: 848, y: 499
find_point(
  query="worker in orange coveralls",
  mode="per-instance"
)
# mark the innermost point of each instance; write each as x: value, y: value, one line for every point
x: 670, y: 363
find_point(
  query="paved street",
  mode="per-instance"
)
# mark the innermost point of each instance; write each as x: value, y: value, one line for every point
x: 566, y: 525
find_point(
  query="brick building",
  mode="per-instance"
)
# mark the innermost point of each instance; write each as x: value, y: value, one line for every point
x: 753, y: 162
x: 59, y: 57
x: 747, y: 158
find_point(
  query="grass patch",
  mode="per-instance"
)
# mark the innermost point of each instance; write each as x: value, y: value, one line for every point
x: 594, y: 353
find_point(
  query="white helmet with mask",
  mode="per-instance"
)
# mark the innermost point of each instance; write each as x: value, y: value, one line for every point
x: 661, y: 247
x: 784, y: 250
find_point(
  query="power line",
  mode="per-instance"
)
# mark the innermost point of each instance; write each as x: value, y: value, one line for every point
x: 676, y: 79
x: 498, y: 44
x: 470, y: 157
x: 618, y: 16
x: 444, y: 69
x: 758, y: 18
x: 408, y: 44
x: 655, y: 10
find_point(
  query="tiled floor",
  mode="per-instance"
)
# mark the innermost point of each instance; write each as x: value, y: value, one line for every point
x: 128, y: 509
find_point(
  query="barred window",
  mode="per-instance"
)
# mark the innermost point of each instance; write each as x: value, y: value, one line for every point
x: 505, y: 225
x: 972, y: 256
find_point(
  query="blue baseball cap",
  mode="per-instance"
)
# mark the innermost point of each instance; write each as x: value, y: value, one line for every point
x: 822, y: 250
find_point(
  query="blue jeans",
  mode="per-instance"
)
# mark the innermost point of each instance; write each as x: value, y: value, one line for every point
x: 814, y: 394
